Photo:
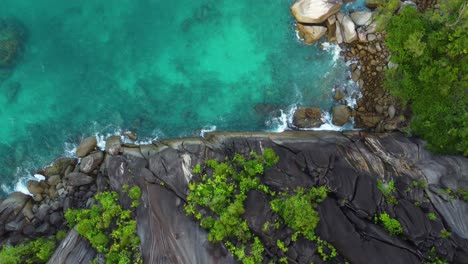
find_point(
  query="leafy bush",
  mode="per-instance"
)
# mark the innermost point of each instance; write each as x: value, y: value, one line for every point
x: 109, y: 229
x: 419, y: 184
x: 432, y: 74
x: 298, y: 211
x: 391, y: 224
x: 445, y: 233
x: 326, y: 250
x: 388, y: 190
x: 33, y: 252
x: 433, y: 258
x: 223, y: 193
x: 280, y: 245
x: 432, y: 216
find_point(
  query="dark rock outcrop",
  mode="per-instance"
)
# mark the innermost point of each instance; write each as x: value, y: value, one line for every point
x: 350, y: 164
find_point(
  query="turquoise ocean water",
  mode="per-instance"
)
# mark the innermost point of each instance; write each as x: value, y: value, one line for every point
x: 158, y: 68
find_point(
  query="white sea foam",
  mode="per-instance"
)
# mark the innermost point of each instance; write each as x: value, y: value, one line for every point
x: 23, y: 176
x: 39, y: 177
x: 334, y: 49
x: 207, y: 128
x: 284, y: 122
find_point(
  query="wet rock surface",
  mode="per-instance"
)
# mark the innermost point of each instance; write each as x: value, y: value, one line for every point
x: 307, y: 117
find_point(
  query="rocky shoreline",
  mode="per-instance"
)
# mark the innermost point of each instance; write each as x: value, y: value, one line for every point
x: 350, y: 164
x: 364, y: 49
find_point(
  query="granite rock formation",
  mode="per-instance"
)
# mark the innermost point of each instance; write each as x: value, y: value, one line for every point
x: 351, y: 164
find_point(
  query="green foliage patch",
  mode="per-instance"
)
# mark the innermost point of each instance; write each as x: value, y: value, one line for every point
x: 445, y: 233
x: 392, y: 225
x: 298, y: 210
x: 432, y: 216
x: 109, y: 229
x: 432, y: 75
x: 223, y: 193
x: 388, y: 190
x: 32, y: 252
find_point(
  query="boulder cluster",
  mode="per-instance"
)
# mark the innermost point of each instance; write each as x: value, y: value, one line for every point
x: 68, y: 184
x: 315, y: 18
x: 363, y: 46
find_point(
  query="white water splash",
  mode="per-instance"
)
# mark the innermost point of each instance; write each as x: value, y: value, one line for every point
x: 22, y: 175
x: 333, y: 49
x: 206, y: 129
x: 284, y: 122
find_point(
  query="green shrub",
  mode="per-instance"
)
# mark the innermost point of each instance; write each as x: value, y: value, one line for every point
x: 223, y: 193
x: 135, y: 194
x: 326, y: 250
x: 388, y: 190
x: 433, y: 258
x: 298, y: 210
x: 391, y: 224
x: 109, y: 229
x: 419, y: 184
x: 61, y: 234
x: 281, y: 246
x: 445, y: 233
x: 432, y: 73
x: 32, y: 252
x: 432, y: 216
x: 462, y: 194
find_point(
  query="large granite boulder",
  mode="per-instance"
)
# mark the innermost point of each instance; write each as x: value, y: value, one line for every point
x: 91, y: 162
x: 361, y: 18
x: 113, y: 145
x: 314, y: 11
x: 340, y: 114
x: 368, y: 119
x: 86, y: 146
x: 345, y: 29
x: 73, y: 249
x: 12, y: 206
x: 311, y: 34
x: 78, y: 179
x: 59, y: 167
x: 307, y: 117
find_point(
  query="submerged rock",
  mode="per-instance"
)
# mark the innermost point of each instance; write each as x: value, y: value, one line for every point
x: 12, y: 36
x: 314, y: 11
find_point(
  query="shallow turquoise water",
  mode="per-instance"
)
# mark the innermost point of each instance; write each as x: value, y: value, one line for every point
x: 158, y: 68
